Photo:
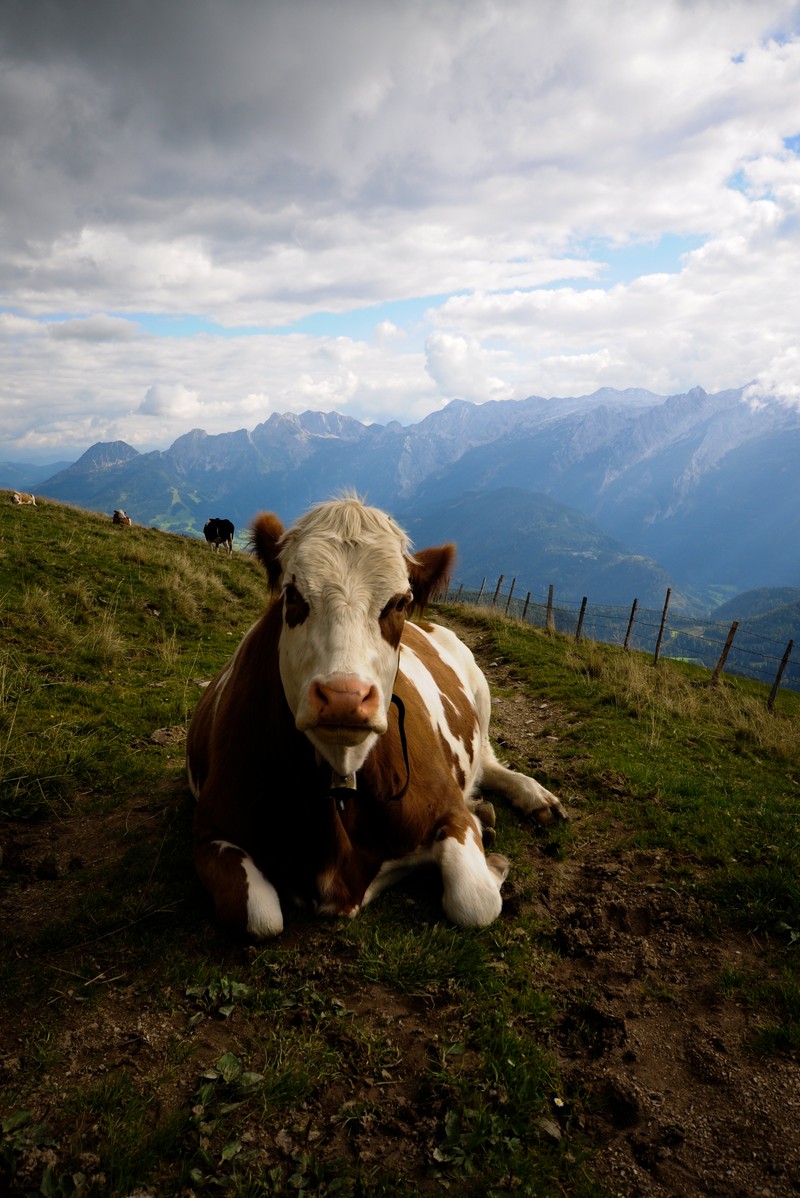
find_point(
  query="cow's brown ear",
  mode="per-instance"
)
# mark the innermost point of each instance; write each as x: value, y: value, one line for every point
x: 265, y: 533
x: 428, y: 570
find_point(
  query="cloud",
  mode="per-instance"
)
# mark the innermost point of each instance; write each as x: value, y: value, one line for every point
x: 387, y: 331
x: 249, y: 166
x: 14, y: 327
x: 231, y: 166
x: 93, y: 328
x: 716, y: 320
x: 174, y: 400
x: 780, y: 381
x: 148, y: 391
x: 461, y: 367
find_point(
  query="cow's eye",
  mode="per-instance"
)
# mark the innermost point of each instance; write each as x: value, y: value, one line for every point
x: 393, y: 618
x: 396, y: 605
x: 295, y: 607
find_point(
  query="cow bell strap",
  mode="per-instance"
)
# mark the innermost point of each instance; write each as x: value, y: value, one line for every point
x: 401, y: 728
x: 344, y: 786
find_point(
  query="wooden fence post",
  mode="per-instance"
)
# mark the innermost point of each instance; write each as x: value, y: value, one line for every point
x: 724, y: 654
x: 779, y: 675
x: 550, y: 624
x: 660, y: 637
x: 510, y: 593
x: 579, y: 629
x: 631, y: 618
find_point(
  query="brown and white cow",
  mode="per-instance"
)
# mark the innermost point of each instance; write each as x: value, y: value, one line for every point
x: 22, y: 497
x: 343, y: 745
x: 121, y: 517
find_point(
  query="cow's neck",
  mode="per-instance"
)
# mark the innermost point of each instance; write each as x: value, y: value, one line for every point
x: 345, y: 760
x: 344, y: 786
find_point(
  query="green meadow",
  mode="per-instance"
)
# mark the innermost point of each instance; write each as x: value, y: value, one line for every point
x: 143, y: 1052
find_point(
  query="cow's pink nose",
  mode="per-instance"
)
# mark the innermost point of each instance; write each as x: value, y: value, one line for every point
x: 345, y: 699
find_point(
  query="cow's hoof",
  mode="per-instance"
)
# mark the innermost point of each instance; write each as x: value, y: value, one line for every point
x: 550, y: 815
x: 486, y: 814
x: 498, y: 865
x: 488, y: 836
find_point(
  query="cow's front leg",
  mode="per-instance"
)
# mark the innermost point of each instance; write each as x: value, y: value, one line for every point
x: 525, y: 793
x: 246, y: 902
x: 471, y: 880
x: 485, y: 813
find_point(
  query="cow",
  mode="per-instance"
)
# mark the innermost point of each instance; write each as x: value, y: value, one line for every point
x: 120, y: 517
x: 343, y: 745
x: 219, y: 532
x: 22, y: 497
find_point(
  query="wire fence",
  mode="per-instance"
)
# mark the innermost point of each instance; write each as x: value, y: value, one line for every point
x: 733, y: 647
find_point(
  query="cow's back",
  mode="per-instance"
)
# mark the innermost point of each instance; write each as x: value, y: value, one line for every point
x: 436, y: 678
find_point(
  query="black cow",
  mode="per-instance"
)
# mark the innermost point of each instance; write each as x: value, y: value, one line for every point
x: 219, y: 532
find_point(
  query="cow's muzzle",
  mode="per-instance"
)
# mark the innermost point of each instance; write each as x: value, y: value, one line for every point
x: 343, y: 708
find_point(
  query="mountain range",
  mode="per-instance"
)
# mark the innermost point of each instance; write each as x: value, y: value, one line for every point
x: 615, y: 494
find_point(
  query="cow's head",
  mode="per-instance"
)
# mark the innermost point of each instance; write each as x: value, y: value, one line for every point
x: 348, y: 581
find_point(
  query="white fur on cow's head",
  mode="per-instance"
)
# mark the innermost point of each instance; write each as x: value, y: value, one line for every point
x: 348, y: 580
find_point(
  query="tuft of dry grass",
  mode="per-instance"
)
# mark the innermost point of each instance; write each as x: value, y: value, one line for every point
x: 733, y: 713
x: 189, y: 587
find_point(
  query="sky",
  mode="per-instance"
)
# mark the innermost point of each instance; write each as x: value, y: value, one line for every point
x: 213, y: 210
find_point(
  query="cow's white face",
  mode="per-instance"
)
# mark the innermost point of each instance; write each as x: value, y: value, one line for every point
x: 345, y: 588
x: 343, y: 607
x: 346, y: 582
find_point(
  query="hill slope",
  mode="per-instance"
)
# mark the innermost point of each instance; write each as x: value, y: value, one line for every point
x: 541, y: 541
x: 141, y: 1051
x: 761, y: 602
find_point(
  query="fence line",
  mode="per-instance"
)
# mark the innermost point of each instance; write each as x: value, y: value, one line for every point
x: 705, y: 642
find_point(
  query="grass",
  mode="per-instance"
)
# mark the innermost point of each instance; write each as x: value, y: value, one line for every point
x: 707, y: 773
x: 102, y: 637
x: 143, y: 1050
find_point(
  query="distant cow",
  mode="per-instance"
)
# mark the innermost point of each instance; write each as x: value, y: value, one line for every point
x: 219, y: 532
x: 22, y: 497
x: 121, y: 517
x: 342, y: 745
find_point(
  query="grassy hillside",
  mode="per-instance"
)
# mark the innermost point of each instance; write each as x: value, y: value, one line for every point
x: 707, y: 773
x: 391, y: 1054
x: 104, y: 628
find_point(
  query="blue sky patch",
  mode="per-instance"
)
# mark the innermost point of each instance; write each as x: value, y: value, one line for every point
x: 360, y: 323
x: 625, y: 263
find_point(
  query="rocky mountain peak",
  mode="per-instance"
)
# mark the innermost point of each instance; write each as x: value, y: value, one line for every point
x: 104, y: 455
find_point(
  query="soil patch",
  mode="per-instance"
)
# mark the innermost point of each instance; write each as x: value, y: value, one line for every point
x: 676, y: 1102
